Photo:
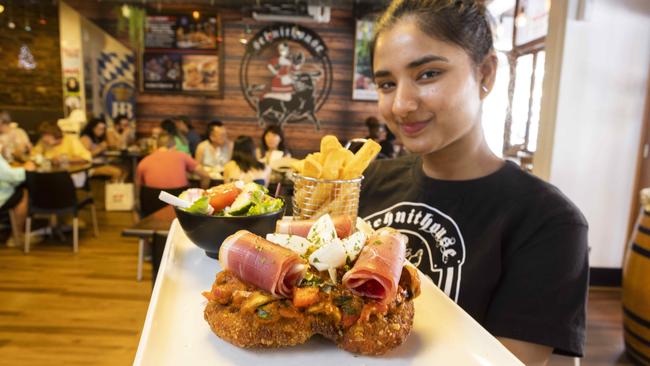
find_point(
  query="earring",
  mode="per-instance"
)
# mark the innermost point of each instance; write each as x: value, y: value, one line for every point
x: 485, y: 88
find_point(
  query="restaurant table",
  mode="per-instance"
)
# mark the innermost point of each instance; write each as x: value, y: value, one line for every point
x: 132, y: 155
x: 216, y: 177
x: 70, y: 168
x: 154, y: 227
x: 176, y: 333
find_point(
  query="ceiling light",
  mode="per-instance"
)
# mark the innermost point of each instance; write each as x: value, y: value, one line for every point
x: 2, y: 8
x: 196, y: 14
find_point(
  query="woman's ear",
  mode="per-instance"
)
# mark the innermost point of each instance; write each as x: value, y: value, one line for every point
x: 487, y: 74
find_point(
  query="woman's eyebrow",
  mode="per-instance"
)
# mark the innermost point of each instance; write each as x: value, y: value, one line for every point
x: 381, y: 73
x: 413, y: 64
x: 425, y: 59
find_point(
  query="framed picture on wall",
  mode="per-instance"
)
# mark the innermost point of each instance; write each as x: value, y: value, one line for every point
x: 200, y: 72
x: 161, y: 71
x: 363, y: 87
x: 531, y: 21
x: 183, y: 54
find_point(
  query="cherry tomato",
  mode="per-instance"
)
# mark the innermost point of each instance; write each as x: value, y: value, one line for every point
x: 223, y: 196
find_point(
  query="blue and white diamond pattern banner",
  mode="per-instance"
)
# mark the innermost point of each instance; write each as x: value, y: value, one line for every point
x: 116, y: 83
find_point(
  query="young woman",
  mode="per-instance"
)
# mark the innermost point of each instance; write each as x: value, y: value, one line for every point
x: 273, y: 147
x: 93, y: 138
x: 121, y: 135
x: 506, y: 246
x: 244, y: 165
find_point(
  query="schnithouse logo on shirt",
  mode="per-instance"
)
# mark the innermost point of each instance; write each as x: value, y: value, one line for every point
x: 435, y: 246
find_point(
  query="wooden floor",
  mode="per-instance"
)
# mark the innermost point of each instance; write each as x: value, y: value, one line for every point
x: 60, y: 308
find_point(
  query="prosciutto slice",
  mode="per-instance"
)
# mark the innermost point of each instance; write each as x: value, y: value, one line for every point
x: 268, y: 266
x: 377, y: 272
x: 344, y: 226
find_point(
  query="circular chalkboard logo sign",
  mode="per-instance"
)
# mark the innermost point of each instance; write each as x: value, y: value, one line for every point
x: 286, y: 74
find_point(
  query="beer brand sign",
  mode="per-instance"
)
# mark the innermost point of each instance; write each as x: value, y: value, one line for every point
x: 286, y: 74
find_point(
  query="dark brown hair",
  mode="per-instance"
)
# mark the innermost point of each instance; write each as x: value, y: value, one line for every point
x: 462, y: 22
x: 275, y: 129
x: 243, y: 153
x: 50, y: 128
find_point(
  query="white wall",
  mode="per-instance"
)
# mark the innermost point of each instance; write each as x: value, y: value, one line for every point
x: 600, y: 102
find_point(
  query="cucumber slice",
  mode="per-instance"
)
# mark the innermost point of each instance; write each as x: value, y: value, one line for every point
x: 242, y: 204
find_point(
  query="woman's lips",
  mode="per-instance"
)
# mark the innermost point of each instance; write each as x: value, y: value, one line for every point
x: 412, y: 128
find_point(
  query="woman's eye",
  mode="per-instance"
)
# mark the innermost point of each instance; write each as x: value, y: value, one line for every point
x: 429, y: 74
x: 385, y: 85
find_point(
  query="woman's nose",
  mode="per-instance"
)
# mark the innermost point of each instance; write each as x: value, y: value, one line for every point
x: 405, y: 101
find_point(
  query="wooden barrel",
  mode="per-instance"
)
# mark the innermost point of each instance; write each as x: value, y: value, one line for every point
x: 636, y: 292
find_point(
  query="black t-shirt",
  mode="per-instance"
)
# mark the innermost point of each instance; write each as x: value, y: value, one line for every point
x: 509, y: 248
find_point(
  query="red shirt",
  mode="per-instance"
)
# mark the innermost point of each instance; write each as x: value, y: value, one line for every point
x: 165, y: 169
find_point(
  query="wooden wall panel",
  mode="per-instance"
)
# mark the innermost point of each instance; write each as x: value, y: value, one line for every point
x: 340, y: 115
x: 31, y: 95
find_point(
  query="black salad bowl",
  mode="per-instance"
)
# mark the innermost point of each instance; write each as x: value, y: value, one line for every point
x: 208, y: 232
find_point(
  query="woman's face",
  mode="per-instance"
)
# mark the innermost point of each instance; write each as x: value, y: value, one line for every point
x: 429, y: 93
x: 272, y: 140
x: 99, y: 130
x: 123, y: 124
x: 218, y: 135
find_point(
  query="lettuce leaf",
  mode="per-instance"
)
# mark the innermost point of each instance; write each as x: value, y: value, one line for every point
x: 266, y: 205
x: 201, y: 206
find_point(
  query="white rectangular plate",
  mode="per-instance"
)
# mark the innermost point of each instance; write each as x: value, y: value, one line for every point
x: 175, y: 332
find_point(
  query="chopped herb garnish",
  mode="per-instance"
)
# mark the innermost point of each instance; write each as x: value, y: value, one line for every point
x: 349, y: 309
x: 340, y: 300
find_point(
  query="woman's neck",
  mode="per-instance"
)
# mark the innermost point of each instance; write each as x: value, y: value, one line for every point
x: 467, y: 158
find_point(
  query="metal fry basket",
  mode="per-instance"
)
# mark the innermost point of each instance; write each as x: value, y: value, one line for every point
x: 315, y: 197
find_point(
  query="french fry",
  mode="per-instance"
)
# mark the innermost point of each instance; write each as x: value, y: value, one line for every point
x: 333, y: 163
x: 298, y: 166
x: 312, y: 167
x: 320, y: 157
x: 349, y: 155
x: 361, y: 160
x: 329, y: 143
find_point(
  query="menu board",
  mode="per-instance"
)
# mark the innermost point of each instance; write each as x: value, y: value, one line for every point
x: 181, y: 31
x: 200, y: 72
x: 160, y: 31
x: 182, y: 54
x: 162, y: 72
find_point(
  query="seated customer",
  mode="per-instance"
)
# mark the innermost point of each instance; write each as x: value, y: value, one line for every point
x: 216, y: 151
x: 93, y: 138
x: 377, y: 131
x: 180, y: 140
x: 121, y: 135
x: 244, y: 164
x: 11, y: 194
x: 15, y: 142
x: 273, y: 146
x: 166, y: 167
x: 184, y: 126
x: 59, y: 147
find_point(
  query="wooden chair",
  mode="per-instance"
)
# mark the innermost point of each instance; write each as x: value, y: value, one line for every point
x: 55, y: 194
x: 10, y: 212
